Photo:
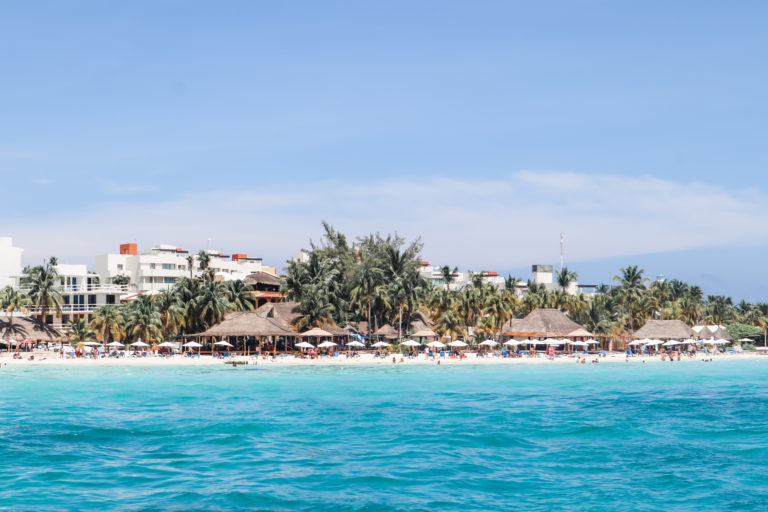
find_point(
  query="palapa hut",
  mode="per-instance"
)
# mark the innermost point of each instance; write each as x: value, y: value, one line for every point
x: 419, y: 321
x: 386, y: 331
x: 665, y: 330
x: 28, y: 328
x: 266, y: 287
x: 248, y: 323
x: 544, y: 323
x: 424, y: 333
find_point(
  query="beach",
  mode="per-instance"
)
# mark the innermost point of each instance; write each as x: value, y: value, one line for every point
x: 366, y: 359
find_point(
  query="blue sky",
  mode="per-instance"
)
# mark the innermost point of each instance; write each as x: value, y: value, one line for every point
x: 487, y: 128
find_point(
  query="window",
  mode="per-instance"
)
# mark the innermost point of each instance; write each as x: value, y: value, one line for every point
x: 119, y: 266
x: 110, y: 299
x: 182, y: 267
x: 91, y: 300
x: 152, y: 266
x: 169, y: 279
x: 168, y: 266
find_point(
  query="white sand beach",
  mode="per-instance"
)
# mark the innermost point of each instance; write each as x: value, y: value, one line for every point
x: 53, y: 359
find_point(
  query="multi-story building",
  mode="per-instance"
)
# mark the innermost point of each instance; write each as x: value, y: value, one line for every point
x: 161, y: 266
x: 10, y: 262
x: 82, y: 293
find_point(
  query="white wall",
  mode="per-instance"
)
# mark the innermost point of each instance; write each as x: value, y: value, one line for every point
x: 10, y: 262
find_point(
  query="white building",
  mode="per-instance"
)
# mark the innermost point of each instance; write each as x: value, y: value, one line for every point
x: 10, y: 262
x: 161, y: 266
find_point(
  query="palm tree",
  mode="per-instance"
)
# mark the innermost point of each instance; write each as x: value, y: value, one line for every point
x: 121, y: 280
x: 13, y: 300
x: 172, y: 312
x: 191, y: 265
x: 367, y: 278
x: 211, y: 304
x: 448, y: 275
x: 79, y: 331
x: 631, y: 286
x: 315, y: 310
x: 240, y: 296
x: 565, y: 277
x: 204, y: 259
x: 43, y: 282
x: 143, y: 319
x: 107, y: 323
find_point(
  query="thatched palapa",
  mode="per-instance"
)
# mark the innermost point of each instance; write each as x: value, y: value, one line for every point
x: 248, y: 323
x: 665, y: 330
x: 424, y: 333
x: 27, y: 328
x: 316, y: 333
x: 545, y: 323
x: 387, y: 331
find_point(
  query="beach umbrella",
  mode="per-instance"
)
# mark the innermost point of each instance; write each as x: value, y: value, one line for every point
x: 411, y: 343
x: 304, y: 344
x: 672, y: 343
x: 139, y: 344
x: 436, y: 344
x: 222, y: 343
x: 721, y: 341
x: 457, y: 343
x: 380, y: 344
x: 489, y: 343
x: 192, y: 344
x: 689, y: 342
x: 91, y: 344
x: 115, y: 344
x: 167, y: 344
x: 580, y: 344
x: 355, y: 344
x: 591, y: 342
x: 327, y: 344
x: 636, y: 342
x: 513, y: 342
x: 553, y: 342
x: 748, y: 340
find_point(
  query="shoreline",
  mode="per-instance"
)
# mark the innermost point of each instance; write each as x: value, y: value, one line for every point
x: 52, y: 360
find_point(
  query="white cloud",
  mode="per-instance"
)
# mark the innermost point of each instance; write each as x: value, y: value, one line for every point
x: 471, y: 223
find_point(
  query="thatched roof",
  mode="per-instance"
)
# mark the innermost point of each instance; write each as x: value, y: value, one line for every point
x: 316, y: 333
x: 420, y: 320
x: 262, y: 277
x: 544, y: 322
x: 665, y: 330
x: 722, y: 333
x: 424, y: 333
x: 249, y: 323
x: 280, y: 311
x: 387, y: 331
x: 27, y: 328
x: 580, y: 333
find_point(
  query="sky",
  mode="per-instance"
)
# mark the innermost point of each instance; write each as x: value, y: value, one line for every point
x: 636, y: 129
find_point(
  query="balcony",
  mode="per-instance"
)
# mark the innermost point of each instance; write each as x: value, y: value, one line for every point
x: 109, y: 288
x: 68, y: 309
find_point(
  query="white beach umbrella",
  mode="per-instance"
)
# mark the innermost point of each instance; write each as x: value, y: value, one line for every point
x: 512, y: 342
x: 167, y: 344
x: 91, y: 344
x: 355, y: 344
x: 672, y: 343
x: 579, y: 344
x: 457, y: 343
x: 689, y: 341
x: 436, y: 344
x: 304, y: 344
x: 553, y: 342
x: 721, y: 341
x: 223, y: 343
x: 380, y: 344
x: 636, y: 342
x: 115, y: 344
x: 139, y: 344
x: 747, y: 340
x: 489, y: 343
x: 590, y: 342
x: 411, y: 343
x: 192, y: 344
x: 327, y: 344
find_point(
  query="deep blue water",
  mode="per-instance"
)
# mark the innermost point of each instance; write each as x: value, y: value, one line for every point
x: 661, y: 436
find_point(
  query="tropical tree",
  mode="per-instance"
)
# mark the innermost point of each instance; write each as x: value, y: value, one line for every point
x: 107, y: 323
x: 191, y: 265
x: 44, y: 285
x: 79, y: 331
x: 172, y: 312
x: 630, y: 289
x: 143, y: 320
x: 449, y: 275
x: 565, y: 277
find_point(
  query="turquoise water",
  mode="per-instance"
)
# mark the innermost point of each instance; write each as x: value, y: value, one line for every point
x: 661, y: 436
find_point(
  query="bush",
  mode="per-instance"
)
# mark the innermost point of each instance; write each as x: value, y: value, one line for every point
x: 747, y: 346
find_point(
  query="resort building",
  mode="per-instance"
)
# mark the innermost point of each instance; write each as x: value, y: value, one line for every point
x: 161, y: 266
x: 82, y: 292
x: 10, y: 262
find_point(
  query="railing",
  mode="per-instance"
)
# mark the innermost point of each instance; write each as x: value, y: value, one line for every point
x: 92, y: 288
x: 68, y: 309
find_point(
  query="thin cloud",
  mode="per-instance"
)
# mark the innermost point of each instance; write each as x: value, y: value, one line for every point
x: 475, y: 224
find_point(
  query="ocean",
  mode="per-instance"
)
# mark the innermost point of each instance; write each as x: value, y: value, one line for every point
x: 606, y: 437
